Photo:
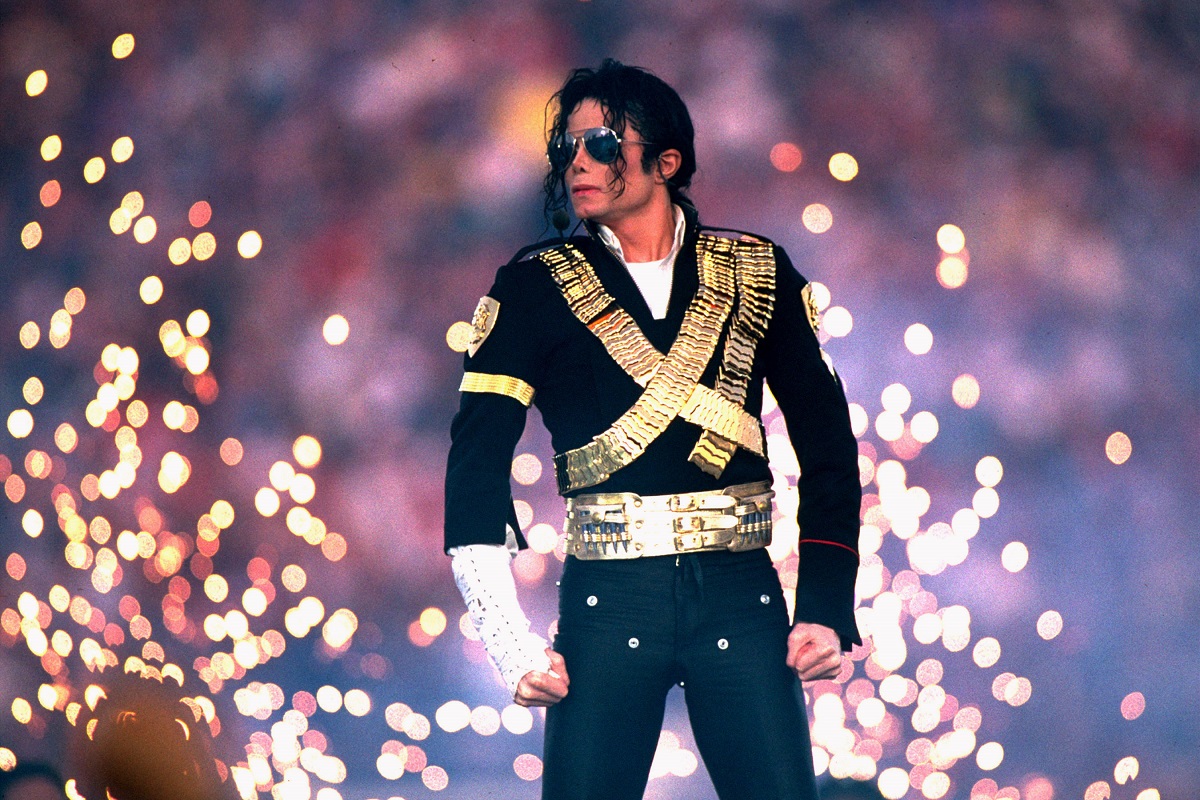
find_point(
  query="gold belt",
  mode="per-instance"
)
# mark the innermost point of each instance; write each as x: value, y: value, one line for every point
x: 626, y: 525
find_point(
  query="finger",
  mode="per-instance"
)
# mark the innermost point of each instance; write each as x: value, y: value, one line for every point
x: 815, y: 658
x: 529, y: 694
x: 826, y: 668
x: 547, y: 685
x: 558, y: 665
x: 822, y: 669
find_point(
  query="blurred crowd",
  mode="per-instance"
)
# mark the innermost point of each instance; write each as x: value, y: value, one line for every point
x: 390, y: 155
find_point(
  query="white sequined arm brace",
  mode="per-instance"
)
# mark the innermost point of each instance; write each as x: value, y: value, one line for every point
x: 483, y: 573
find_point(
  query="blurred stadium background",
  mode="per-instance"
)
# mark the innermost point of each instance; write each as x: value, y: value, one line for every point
x: 235, y: 241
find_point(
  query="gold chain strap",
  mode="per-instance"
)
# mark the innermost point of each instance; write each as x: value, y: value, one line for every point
x: 755, y: 278
x: 727, y: 268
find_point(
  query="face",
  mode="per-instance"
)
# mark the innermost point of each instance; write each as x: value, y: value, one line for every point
x: 593, y: 187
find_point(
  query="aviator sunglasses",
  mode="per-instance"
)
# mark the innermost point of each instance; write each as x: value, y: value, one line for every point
x: 602, y: 144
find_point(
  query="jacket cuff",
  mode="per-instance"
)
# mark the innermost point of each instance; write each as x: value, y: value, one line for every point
x: 825, y: 588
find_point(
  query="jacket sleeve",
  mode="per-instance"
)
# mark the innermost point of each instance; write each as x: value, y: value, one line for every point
x: 500, y: 373
x: 813, y: 404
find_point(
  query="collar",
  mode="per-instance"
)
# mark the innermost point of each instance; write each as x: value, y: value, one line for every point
x: 605, y: 234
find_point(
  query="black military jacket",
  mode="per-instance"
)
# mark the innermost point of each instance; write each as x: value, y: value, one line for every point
x: 580, y: 391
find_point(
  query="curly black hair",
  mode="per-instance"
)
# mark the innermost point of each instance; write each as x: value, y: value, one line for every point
x: 631, y: 97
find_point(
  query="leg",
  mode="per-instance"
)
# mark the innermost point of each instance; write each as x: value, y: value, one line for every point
x: 600, y: 740
x: 745, y: 705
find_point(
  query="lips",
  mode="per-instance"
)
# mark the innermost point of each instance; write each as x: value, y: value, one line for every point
x: 584, y: 188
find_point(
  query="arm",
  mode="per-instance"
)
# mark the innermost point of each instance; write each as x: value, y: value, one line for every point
x: 814, y: 407
x: 483, y: 575
x: 500, y: 371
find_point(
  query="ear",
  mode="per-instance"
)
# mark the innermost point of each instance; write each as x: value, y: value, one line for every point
x: 668, y: 164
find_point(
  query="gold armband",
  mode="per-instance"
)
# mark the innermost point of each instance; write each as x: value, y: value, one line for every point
x: 506, y: 385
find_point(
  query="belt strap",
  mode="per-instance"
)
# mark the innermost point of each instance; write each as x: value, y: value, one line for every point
x: 626, y: 525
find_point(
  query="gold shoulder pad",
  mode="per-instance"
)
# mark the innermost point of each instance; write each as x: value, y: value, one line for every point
x: 482, y: 323
x: 814, y: 316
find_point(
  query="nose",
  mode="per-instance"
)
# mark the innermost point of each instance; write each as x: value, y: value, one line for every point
x: 580, y: 158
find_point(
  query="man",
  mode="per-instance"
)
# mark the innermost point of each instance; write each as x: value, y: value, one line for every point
x: 645, y: 345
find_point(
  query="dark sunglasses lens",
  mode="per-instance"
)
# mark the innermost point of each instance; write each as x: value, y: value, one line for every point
x: 602, y: 145
x: 560, y: 151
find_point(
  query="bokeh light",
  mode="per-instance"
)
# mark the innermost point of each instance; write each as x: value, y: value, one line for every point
x: 336, y: 329
x: 1118, y: 448
x: 786, y: 157
x: 817, y: 218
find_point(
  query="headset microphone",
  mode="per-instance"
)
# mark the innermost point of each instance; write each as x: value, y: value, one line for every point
x: 560, y: 220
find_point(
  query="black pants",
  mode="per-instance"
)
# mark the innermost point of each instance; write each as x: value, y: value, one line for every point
x: 630, y: 630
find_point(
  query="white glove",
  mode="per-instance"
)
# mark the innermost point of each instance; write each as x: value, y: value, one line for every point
x: 483, y: 573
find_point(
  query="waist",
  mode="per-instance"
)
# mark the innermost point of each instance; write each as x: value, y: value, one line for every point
x: 621, y: 525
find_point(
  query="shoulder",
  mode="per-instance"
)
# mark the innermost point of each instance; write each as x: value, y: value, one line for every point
x: 735, y: 235
x: 785, y: 270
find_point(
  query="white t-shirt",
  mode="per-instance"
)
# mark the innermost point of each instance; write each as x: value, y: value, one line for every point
x: 653, y: 278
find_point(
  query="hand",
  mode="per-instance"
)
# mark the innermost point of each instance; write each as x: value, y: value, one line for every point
x: 814, y: 652
x: 544, y: 688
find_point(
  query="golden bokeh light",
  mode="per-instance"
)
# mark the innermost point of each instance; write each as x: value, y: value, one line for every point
x: 302, y: 488
x: 786, y: 157
x: 33, y: 391
x: 31, y: 235
x: 51, y: 147
x: 249, y: 244
x: 307, y: 451
x: 74, y: 301
x: 151, y: 290
x: 329, y: 699
x: 817, y: 218
x: 965, y: 391
x: 32, y: 523
x: 36, y: 83
x: 204, y: 246
x: 336, y: 329
x: 145, y: 229
x: 120, y: 221
x: 989, y: 756
x: 357, y: 703
x: 433, y: 621
x: 94, y: 169
x: 293, y: 578
x: 952, y: 272
x: 951, y: 239
x: 843, y: 166
x: 1118, y: 448
x: 179, y: 251
x: 20, y: 423
x: 458, y: 336
x: 123, y: 45
x: 266, y: 502
x: 122, y: 150
x: 138, y: 413
x: 1099, y: 790
x: 197, y: 323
